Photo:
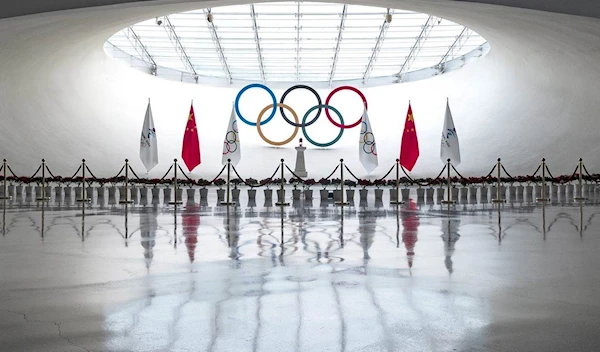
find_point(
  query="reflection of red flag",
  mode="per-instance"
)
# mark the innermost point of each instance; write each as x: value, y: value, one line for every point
x: 410, y: 230
x: 409, y: 150
x: 190, y: 220
x: 190, y: 151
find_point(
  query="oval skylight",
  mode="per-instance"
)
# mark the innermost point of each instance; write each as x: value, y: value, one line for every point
x: 293, y: 42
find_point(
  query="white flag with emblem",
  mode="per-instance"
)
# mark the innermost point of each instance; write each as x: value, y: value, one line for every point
x: 148, y: 142
x: 231, y: 144
x: 367, y: 149
x: 450, y: 148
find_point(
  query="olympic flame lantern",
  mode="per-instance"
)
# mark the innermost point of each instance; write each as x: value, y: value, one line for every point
x: 296, y: 121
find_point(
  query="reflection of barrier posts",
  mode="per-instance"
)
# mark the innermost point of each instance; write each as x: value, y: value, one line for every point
x: 398, y: 201
x: 228, y: 201
x: 281, y: 198
x: 126, y: 200
x: 543, y: 198
x: 499, y: 184
x: 4, y: 186
x: 580, y: 167
x: 449, y: 200
x: 42, y: 196
x: 341, y: 202
x: 175, y: 201
x: 84, y: 197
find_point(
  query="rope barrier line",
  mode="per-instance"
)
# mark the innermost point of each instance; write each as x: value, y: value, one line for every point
x: 50, y: 172
x: 162, y: 178
x: 37, y: 171
x: 491, y: 172
x: 91, y: 174
x: 586, y: 171
x: 351, y: 173
x: 386, y: 175
x: 76, y: 172
x: 180, y: 169
x: 458, y: 173
x: 536, y: 170
x: 549, y: 173
x: 133, y: 172
x: 333, y: 172
x: 260, y: 184
x: 11, y: 171
x: 506, y: 172
x: 220, y: 173
x: 294, y: 174
x: 1, y: 168
x: 424, y: 184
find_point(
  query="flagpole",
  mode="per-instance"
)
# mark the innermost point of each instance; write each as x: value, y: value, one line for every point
x: 341, y: 202
x: 43, y: 197
x: 126, y: 200
x: 543, y: 197
x: 581, y: 197
x: 449, y: 201
x: 498, y: 199
x: 228, y: 201
x: 83, y: 195
x: 176, y: 201
x: 398, y: 201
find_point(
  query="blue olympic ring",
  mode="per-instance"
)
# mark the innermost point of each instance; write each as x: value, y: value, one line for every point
x: 255, y: 85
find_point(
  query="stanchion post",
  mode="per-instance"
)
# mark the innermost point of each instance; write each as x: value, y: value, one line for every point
x: 83, y: 195
x: 4, y: 186
x: 282, y: 201
x: 499, y: 183
x: 580, y: 167
x: 126, y: 200
x: 449, y: 200
x: 175, y: 201
x: 342, y: 202
x: 398, y: 201
x: 42, y: 196
x: 228, y: 201
x: 543, y: 198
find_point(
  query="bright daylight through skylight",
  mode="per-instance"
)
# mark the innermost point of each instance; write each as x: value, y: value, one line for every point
x: 297, y: 42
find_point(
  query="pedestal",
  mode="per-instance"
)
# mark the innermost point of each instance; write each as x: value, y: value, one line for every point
x: 300, y: 169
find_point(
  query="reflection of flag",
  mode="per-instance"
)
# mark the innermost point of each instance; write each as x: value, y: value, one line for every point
x: 231, y: 144
x: 410, y: 230
x: 450, y: 236
x: 449, y: 147
x: 409, y: 150
x: 190, y: 220
x: 148, y: 142
x: 367, y: 149
x: 148, y: 227
x: 190, y: 151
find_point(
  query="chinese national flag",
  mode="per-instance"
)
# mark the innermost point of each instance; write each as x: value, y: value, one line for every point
x: 190, y: 152
x: 409, y: 150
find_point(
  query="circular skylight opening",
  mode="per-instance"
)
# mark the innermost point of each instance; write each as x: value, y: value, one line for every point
x: 294, y: 42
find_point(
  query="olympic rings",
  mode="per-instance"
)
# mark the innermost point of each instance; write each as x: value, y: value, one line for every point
x: 331, y: 95
x: 231, y: 139
x: 258, y: 124
x: 230, y: 144
x: 323, y: 145
x: 310, y: 89
x: 237, y: 101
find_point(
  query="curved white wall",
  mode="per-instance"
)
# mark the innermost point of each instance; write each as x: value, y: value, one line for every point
x: 533, y: 95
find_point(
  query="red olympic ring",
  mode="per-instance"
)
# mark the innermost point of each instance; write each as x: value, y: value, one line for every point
x: 362, y: 96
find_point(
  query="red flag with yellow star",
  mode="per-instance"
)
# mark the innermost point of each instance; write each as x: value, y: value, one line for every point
x: 409, y: 150
x: 190, y: 152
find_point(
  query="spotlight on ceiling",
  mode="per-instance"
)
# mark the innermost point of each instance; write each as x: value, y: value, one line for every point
x: 209, y: 17
x: 159, y: 21
x: 388, y: 18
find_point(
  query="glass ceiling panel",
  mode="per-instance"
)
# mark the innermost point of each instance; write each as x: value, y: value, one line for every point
x: 297, y: 41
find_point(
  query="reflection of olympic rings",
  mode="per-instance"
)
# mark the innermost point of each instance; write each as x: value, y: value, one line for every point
x: 370, y: 149
x: 258, y: 124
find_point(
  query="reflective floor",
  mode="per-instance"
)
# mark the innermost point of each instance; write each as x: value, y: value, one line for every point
x: 308, y: 277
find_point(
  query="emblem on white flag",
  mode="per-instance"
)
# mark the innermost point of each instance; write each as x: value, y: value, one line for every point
x: 231, y: 143
x: 148, y: 142
x: 450, y: 148
x: 367, y: 148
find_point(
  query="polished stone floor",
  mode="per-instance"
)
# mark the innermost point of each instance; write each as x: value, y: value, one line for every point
x: 308, y: 277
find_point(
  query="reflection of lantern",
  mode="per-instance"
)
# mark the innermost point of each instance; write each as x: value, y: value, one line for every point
x: 190, y: 220
x: 410, y: 229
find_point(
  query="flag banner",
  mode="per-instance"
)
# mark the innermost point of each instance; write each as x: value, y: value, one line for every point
x: 367, y: 148
x: 231, y: 144
x: 148, y: 142
x: 190, y: 151
x: 450, y: 148
x: 409, y: 150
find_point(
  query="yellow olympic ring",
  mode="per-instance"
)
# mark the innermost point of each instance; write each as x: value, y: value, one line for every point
x: 260, y: 116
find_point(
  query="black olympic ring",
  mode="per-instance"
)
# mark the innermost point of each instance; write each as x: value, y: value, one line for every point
x: 301, y: 124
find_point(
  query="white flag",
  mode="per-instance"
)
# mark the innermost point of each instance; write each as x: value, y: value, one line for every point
x: 367, y: 149
x: 231, y: 143
x: 449, y: 146
x: 148, y: 142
